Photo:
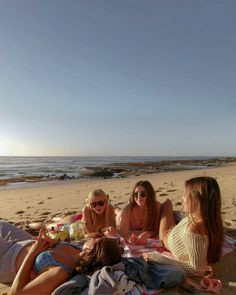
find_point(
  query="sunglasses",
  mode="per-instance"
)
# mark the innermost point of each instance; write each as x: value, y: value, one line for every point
x: 141, y: 194
x: 98, y: 203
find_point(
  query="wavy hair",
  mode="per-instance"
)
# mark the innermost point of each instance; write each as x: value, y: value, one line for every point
x: 105, y: 252
x: 207, y: 193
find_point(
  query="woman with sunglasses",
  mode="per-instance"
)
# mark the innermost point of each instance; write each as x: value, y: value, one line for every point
x: 99, y: 214
x: 140, y: 219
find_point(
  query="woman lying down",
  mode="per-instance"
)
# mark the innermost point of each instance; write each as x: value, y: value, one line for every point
x: 40, y: 266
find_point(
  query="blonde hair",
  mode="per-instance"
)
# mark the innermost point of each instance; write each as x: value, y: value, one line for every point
x: 98, y: 192
x: 204, y: 198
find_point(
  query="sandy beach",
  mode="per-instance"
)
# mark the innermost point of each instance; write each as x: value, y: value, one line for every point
x: 40, y: 201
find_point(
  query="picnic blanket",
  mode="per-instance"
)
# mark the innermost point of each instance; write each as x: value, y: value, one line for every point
x: 134, y: 276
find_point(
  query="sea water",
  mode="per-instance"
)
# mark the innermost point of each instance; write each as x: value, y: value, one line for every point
x: 13, y: 167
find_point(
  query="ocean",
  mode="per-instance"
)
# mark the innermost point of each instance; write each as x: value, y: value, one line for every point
x: 15, y: 167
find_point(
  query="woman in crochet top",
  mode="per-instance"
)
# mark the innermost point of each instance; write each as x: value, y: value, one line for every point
x: 196, y: 241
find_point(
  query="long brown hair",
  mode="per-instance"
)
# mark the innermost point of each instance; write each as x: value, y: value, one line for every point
x: 150, y: 203
x: 207, y: 193
x: 106, y: 252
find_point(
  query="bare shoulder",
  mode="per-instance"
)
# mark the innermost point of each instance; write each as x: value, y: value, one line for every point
x: 125, y: 212
x: 111, y: 208
x: 86, y: 211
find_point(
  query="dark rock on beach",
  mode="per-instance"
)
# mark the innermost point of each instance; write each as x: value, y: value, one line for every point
x: 121, y: 170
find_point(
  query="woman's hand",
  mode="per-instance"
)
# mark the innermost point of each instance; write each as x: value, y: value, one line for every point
x: 133, y: 240
x: 110, y: 231
x: 42, y: 243
x: 146, y: 256
x: 139, y: 239
x: 143, y: 238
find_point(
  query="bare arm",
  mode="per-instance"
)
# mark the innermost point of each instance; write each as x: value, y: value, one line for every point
x: 112, y: 217
x: 167, y: 220
x: 45, y: 283
x: 124, y: 223
x: 158, y: 218
x: 88, y: 220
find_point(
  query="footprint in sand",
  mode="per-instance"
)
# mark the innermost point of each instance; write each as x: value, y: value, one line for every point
x: 40, y: 203
x: 120, y: 203
x: 160, y: 187
x: 171, y: 190
x: 127, y: 194
x: 178, y: 203
x: 45, y: 213
x: 20, y: 212
x: 71, y: 212
x: 158, y: 190
x: 227, y: 223
x: 163, y: 194
x: 49, y: 198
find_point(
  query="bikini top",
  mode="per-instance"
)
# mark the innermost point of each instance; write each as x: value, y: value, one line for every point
x: 45, y: 259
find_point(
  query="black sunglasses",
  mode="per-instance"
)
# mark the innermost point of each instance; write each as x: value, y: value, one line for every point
x: 99, y: 203
x: 141, y: 194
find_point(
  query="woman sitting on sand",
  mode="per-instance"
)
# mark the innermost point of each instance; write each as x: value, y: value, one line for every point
x: 99, y: 214
x: 140, y: 219
x: 196, y: 241
x: 44, y: 264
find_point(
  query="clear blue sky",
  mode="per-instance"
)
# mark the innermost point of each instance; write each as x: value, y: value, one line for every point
x: 118, y: 77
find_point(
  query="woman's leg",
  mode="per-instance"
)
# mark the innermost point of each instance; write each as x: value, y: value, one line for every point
x: 167, y: 220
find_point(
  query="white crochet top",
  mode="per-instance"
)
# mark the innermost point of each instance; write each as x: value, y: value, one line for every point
x: 189, y: 249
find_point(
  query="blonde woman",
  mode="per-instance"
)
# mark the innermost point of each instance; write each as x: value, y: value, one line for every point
x: 99, y: 214
x: 196, y: 241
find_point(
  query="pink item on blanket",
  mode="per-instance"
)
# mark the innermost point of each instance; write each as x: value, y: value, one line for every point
x: 78, y: 217
x: 207, y: 284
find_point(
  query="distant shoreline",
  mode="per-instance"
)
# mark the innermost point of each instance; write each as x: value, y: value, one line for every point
x: 119, y: 170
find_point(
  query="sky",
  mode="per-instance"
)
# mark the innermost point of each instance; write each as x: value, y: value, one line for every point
x: 117, y: 78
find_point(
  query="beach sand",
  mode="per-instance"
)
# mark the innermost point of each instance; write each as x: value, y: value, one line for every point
x: 38, y: 202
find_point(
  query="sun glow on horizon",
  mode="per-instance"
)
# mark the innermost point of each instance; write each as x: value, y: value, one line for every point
x: 10, y: 147
x: 14, y: 147
x: 4, y: 146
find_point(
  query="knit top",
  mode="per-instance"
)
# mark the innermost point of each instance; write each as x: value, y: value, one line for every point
x: 189, y: 249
